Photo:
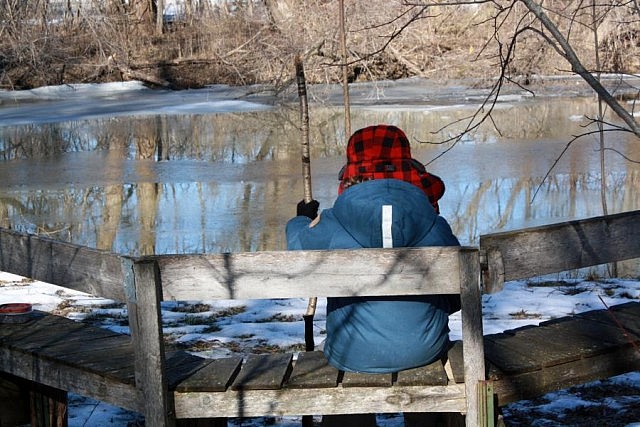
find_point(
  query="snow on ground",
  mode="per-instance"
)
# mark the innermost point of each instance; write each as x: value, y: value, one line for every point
x: 219, y: 328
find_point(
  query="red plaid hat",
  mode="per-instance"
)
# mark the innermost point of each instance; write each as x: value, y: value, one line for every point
x: 382, y: 151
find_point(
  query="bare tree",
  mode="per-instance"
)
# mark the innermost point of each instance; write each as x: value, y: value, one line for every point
x: 255, y: 42
x: 536, y: 20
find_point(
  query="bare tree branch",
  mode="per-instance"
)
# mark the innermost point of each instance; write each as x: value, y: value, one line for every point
x: 615, y: 128
x: 624, y: 156
x: 569, y: 54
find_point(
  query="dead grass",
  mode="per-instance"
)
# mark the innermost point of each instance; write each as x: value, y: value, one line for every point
x: 279, y: 317
x: 24, y: 282
x: 523, y: 314
x: 192, y: 308
x: 591, y: 284
x: 103, y: 41
x: 104, y: 319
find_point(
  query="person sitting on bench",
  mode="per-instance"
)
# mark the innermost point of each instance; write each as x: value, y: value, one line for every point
x: 386, y: 199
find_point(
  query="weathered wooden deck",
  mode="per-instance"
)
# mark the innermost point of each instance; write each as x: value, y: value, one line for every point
x: 559, y: 353
x: 522, y: 363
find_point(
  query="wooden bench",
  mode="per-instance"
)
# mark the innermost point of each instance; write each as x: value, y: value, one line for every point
x: 314, y: 387
x: 260, y: 385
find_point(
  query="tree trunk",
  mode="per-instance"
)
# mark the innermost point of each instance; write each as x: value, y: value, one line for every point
x: 565, y: 49
x: 279, y: 11
x: 159, y: 16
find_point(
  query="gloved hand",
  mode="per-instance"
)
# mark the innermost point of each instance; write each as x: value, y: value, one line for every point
x: 310, y: 210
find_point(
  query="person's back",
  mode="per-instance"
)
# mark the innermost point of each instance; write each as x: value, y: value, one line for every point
x: 381, y: 334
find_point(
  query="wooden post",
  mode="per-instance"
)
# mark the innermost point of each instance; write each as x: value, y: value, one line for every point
x: 144, y: 293
x: 493, y: 276
x: 48, y: 406
x: 472, y: 336
x: 485, y: 400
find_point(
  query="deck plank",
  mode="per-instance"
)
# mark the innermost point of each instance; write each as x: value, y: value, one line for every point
x: 181, y: 365
x: 43, y: 327
x: 623, y: 316
x: 214, y: 376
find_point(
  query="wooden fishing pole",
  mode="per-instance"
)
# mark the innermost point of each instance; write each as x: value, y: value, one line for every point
x: 304, y: 121
x: 306, y: 179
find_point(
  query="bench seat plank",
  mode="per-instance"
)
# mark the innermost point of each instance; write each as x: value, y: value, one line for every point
x: 263, y: 372
x: 83, y: 341
x: 531, y: 348
x: 215, y: 376
x: 499, y: 350
x: 631, y: 307
x: 432, y: 374
x: 119, y: 365
x: 312, y: 370
x: 181, y: 365
x: 76, y: 345
x: 527, y: 385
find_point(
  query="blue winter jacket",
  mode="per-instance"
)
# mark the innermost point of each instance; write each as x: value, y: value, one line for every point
x: 380, y: 334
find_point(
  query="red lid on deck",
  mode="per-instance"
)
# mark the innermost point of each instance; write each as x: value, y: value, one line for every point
x: 15, y: 308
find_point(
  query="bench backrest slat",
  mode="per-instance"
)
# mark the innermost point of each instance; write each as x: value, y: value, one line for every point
x: 304, y: 274
x: 560, y: 247
x: 64, y: 264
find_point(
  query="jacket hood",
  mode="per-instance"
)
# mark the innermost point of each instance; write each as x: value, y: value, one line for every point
x: 359, y: 209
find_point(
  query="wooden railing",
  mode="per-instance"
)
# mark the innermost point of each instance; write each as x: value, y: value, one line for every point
x: 559, y: 247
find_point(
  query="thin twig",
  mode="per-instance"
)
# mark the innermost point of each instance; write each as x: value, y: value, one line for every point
x: 620, y: 326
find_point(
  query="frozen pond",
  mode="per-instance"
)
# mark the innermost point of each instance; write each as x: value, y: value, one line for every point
x: 136, y: 171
